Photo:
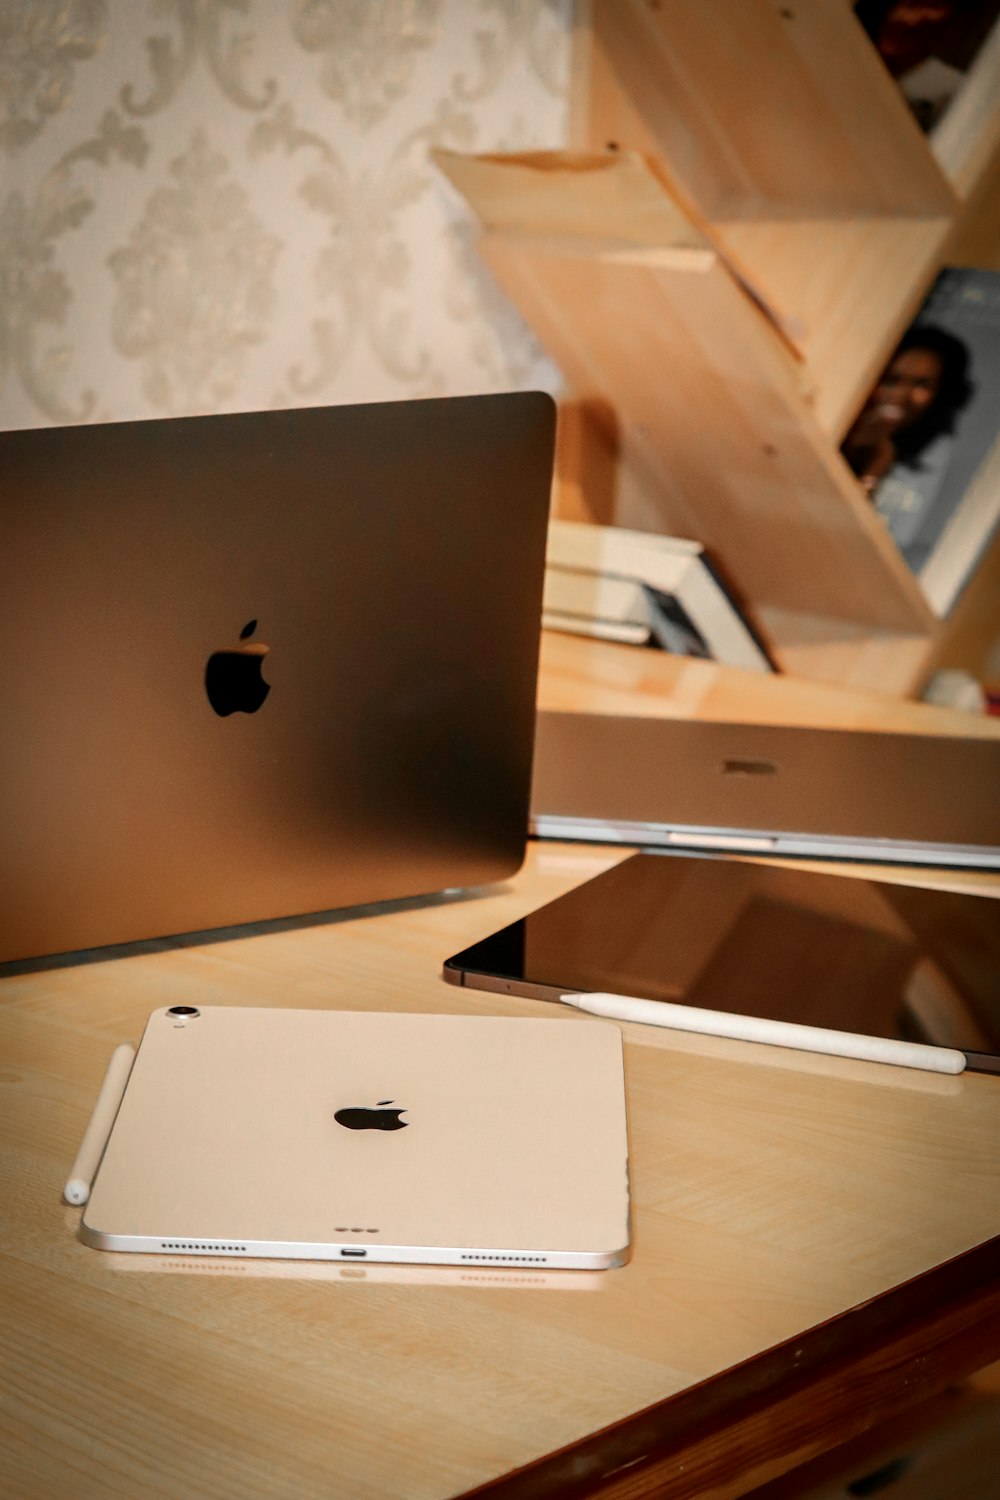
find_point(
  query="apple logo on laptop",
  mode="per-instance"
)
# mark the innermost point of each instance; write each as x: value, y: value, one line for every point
x: 233, y: 678
x: 380, y: 1118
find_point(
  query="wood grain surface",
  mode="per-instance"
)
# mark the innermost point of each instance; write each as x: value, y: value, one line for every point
x: 580, y: 675
x: 773, y: 1193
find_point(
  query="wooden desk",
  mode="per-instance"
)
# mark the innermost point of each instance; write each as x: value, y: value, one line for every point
x: 797, y: 1227
x: 817, y: 1245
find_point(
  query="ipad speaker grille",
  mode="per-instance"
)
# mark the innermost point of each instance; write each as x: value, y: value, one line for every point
x: 509, y: 1260
x: 210, y: 1247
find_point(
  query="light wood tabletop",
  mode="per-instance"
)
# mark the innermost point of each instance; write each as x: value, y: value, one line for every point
x: 816, y: 1243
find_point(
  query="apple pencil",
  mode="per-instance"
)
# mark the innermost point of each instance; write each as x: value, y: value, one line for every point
x: 77, y: 1189
x: 774, y: 1033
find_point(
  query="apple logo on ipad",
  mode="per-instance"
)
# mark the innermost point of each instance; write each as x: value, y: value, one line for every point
x: 380, y: 1118
x: 233, y: 678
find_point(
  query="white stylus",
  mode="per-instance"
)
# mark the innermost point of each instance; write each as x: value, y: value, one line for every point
x: 77, y: 1189
x: 774, y: 1033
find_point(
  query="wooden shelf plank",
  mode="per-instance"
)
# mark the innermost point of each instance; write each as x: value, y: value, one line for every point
x: 708, y: 403
x: 785, y: 111
x: 601, y: 199
x: 845, y: 291
x: 967, y: 141
x: 588, y: 676
x: 799, y: 154
x: 607, y: 201
x: 599, y: 478
x: 967, y: 146
x: 723, y: 337
x: 704, y: 399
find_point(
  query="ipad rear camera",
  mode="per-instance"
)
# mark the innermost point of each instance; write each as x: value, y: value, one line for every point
x: 188, y: 1012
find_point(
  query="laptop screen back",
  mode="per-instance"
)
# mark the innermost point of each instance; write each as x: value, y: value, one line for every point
x: 263, y: 664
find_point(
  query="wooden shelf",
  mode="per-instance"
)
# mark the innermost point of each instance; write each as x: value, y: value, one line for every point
x: 586, y: 676
x: 967, y: 147
x: 966, y: 143
x: 796, y: 146
x: 666, y: 341
x: 783, y: 111
x: 846, y: 290
x: 721, y: 266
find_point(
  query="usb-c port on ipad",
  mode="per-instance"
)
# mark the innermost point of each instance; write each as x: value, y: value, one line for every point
x: 354, y: 1252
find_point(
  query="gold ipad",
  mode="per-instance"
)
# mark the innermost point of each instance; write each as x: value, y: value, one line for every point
x: 369, y: 1137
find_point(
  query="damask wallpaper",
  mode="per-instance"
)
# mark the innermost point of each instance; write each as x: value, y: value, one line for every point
x: 220, y: 205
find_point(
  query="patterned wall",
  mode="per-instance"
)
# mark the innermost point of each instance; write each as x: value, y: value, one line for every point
x: 220, y: 205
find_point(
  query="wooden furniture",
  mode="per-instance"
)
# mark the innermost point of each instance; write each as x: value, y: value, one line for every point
x: 947, y: 1448
x: 721, y: 265
x: 971, y: 639
x: 817, y: 1241
x: 817, y: 1246
x: 580, y: 675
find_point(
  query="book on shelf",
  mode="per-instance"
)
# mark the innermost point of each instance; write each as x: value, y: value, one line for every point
x: 642, y: 589
x: 929, y: 48
x: 926, y: 445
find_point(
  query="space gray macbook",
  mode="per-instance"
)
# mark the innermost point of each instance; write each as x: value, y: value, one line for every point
x: 265, y: 664
x: 768, y: 789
